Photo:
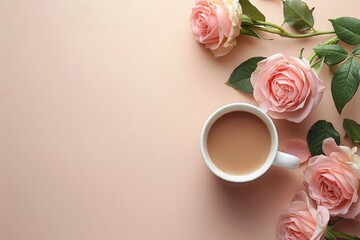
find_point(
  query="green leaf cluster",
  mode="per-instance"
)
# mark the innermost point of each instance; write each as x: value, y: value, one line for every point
x: 346, y: 78
x: 323, y: 129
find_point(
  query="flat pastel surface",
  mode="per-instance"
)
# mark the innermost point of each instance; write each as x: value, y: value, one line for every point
x: 101, y: 108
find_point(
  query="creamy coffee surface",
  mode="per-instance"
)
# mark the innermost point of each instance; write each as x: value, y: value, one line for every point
x: 239, y: 142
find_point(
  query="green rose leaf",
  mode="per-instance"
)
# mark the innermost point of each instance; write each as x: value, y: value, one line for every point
x: 249, y: 32
x: 298, y: 15
x: 356, y: 51
x: 352, y: 129
x: 347, y: 29
x: 317, y: 66
x: 345, y: 83
x: 251, y: 11
x: 318, y: 133
x: 333, y: 54
x: 240, y: 77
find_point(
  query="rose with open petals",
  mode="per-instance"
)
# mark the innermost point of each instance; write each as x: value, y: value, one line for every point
x: 216, y: 24
x: 286, y: 88
x: 333, y: 179
x: 300, y: 220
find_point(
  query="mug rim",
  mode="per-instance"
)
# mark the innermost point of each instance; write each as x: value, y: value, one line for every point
x: 232, y: 107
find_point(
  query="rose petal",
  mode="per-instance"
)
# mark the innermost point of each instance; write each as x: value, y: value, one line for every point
x: 298, y: 148
x: 329, y: 146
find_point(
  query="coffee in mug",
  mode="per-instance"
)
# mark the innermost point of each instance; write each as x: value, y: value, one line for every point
x: 239, y: 143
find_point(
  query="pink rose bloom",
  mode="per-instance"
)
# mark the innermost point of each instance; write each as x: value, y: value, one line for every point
x: 216, y: 24
x: 300, y: 220
x: 333, y: 180
x: 286, y: 88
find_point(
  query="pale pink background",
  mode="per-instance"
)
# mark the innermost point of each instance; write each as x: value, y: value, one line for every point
x: 101, y: 107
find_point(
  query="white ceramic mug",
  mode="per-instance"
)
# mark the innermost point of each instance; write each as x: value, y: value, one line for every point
x: 275, y: 157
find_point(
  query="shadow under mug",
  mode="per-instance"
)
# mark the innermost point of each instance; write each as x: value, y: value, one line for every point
x: 275, y: 157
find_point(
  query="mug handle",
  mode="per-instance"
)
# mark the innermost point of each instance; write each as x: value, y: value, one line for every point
x: 286, y: 160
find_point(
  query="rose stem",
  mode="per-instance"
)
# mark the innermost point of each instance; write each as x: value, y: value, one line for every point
x: 276, y: 29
